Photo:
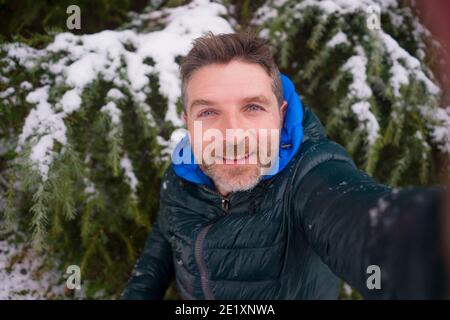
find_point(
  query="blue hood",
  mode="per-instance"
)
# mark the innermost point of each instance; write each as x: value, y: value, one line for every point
x: 290, y: 140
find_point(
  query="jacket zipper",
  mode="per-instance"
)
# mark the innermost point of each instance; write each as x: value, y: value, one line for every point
x: 201, y: 263
x: 225, y: 202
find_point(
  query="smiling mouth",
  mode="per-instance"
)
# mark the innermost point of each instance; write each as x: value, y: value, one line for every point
x: 237, y: 160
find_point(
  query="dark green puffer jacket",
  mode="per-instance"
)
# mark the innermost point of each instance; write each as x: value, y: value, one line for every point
x: 294, y: 235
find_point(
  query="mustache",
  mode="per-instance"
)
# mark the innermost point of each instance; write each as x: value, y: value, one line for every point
x: 231, y: 149
x: 243, y: 152
x: 237, y: 150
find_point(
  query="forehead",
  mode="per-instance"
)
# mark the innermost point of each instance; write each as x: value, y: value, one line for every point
x: 230, y: 82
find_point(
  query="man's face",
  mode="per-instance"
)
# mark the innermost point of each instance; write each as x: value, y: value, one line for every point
x: 234, y: 123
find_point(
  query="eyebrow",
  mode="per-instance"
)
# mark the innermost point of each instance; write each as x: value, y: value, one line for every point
x: 258, y: 98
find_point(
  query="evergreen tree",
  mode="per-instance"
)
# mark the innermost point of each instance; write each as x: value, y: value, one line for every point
x: 86, y: 120
x: 371, y: 86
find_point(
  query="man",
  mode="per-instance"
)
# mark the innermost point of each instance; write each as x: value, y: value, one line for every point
x: 287, y: 227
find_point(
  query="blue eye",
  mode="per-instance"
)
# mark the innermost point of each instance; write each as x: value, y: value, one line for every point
x: 253, y: 107
x: 206, y: 113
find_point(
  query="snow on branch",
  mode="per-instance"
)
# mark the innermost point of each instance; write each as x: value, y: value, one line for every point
x: 119, y: 57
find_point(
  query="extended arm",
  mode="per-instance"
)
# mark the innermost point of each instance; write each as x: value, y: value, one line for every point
x: 352, y: 222
x: 154, y: 269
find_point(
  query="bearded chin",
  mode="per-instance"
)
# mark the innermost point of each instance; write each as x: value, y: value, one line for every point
x: 238, y: 178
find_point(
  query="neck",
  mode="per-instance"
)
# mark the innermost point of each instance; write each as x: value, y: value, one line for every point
x: 222, y: 192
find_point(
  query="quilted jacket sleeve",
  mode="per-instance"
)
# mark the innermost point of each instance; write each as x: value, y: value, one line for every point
x: 353, y: 222
x: 154, y: 269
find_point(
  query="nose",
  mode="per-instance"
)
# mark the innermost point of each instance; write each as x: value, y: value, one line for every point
x: 234, y: 130
x: 231, y: 121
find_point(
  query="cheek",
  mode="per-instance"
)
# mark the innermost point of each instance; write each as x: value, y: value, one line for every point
x: 269, y: 133
x: 269, y: 122
x: 203, y: 141
x: 272, y: 118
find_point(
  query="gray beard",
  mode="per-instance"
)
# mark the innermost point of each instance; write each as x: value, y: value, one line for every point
x: 238, y: 182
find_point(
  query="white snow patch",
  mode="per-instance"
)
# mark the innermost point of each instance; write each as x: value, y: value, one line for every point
x: 116, y: 56
x: 25, y: 85
x: 367, y: 119
x: 71, y: 101
x: 441, y: 132
x: 21, y: 277
x: 126, y: 165
x: 114, y: 113
x: 42, y: 127
x: 7, y: 93
x: 356, y: 66
x: 338, y: 38
x: 404, y: 65
x: 115, y: 94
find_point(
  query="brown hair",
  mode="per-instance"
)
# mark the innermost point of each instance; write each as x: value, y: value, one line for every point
x: 225, y: 47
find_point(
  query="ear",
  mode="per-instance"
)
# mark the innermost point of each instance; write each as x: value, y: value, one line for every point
x: 184, y: 116
x: 283, y: 109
